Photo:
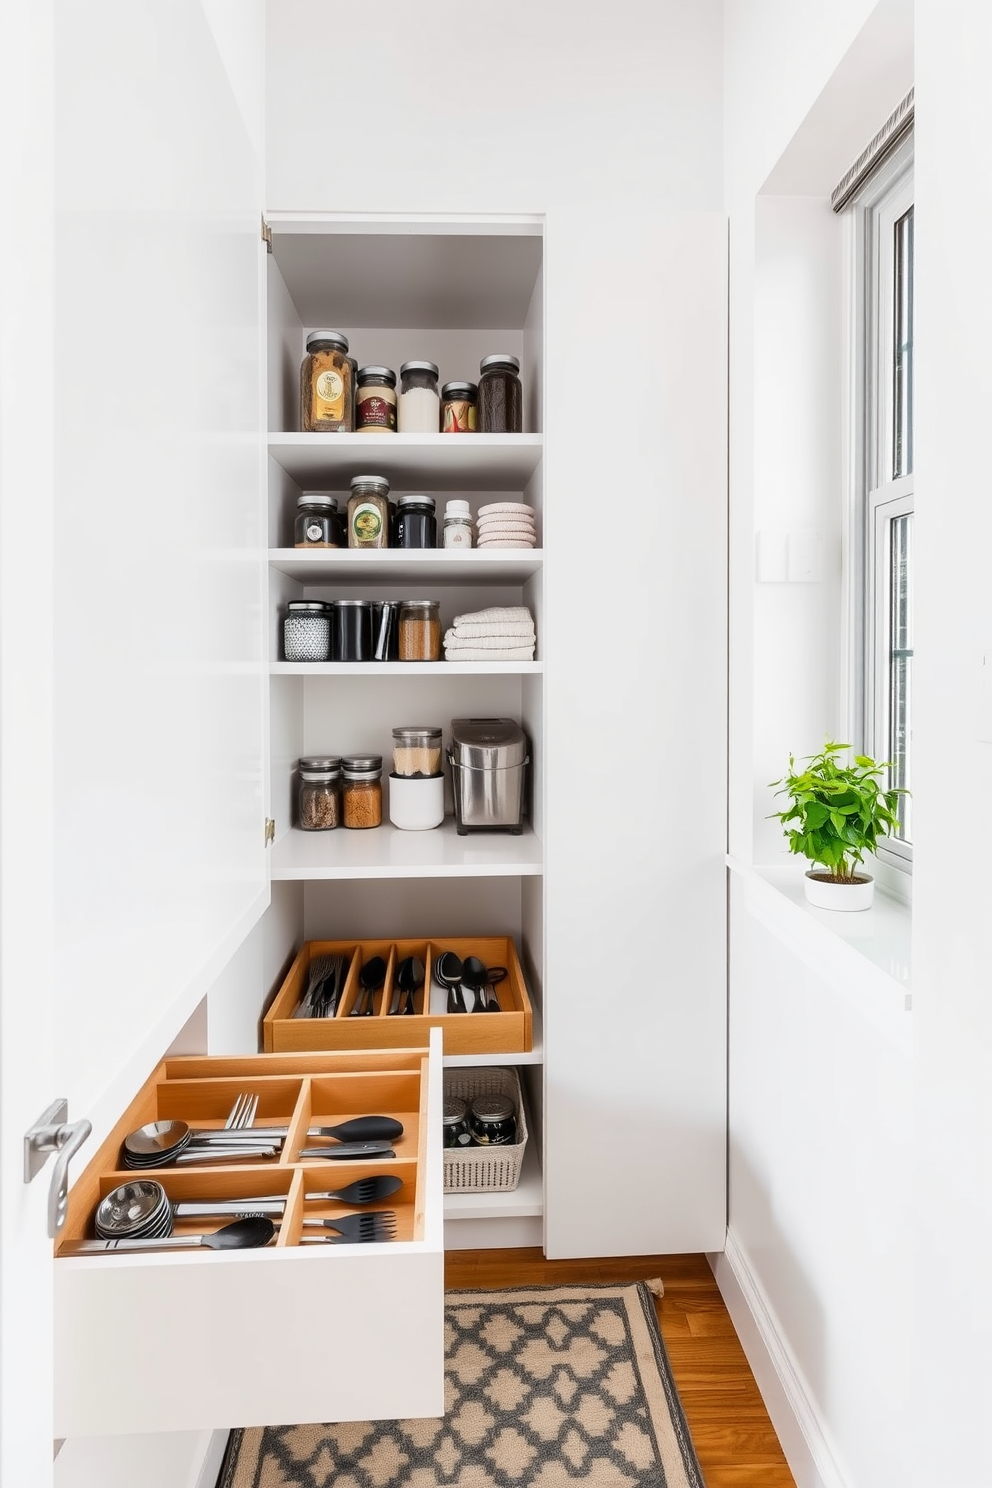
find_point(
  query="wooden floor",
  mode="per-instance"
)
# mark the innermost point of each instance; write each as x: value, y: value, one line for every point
x: 734, y: 1439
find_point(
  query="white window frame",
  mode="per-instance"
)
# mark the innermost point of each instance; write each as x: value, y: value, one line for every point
x: 876, y: 498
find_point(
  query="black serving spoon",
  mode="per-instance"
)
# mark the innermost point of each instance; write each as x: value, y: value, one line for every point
x: 475, y: 977
x: 243, y: 1234
x: 409, y: 980
x: 448, y: 970
x: 371, y: 978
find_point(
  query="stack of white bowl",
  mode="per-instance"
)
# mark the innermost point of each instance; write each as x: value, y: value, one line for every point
x: 506, y: 524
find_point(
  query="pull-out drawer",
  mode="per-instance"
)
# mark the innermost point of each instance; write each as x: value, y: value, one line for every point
x: 193, y: 1339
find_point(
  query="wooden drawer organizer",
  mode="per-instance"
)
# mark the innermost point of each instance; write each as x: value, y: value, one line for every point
x: 295, y: 1090
x: 509, y: 1031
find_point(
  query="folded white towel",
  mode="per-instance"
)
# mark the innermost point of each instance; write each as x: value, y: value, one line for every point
x: 522, y: 632
x: 455, y: 642
x: 512, y: 614
x: 509, y: 653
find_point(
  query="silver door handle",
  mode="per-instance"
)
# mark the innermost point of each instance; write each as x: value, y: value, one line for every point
x: 53, y: 1133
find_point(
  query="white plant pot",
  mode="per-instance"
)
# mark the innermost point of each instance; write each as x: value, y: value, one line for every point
x: 822, y: 891
x: 416, y: 805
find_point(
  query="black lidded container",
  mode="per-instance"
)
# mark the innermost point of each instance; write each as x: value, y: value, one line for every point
x: 352, y: 630
x: 416, y: 522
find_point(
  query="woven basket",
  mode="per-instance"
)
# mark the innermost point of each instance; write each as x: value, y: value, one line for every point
x: 484, y: 1169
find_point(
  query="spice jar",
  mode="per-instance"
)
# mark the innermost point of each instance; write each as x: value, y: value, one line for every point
x: 361, y: 790
x: 456, y: 531
x: 306, y: 631
x: 454, y: 1123
x: 352, y: 637
x: 375, y: 401
x: 320, y: 794
x: 416, y: 524
x: 368, y: 512
x: 327, y: 385
x: 501, y: 399
x: 458, y: 401
x: 420, y: 630
x: 491, y: 1121
x: 419, y: 405
x: 416, y: 751
x: 318, y: 522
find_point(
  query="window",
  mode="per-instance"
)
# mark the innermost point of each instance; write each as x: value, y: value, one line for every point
x: 883, y: 476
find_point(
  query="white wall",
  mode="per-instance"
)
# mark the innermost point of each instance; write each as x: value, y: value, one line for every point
x: 860, y: 1163
x: 607, y: 120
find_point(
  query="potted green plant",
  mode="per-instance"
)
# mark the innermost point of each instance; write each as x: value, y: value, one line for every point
x: 837, y: 811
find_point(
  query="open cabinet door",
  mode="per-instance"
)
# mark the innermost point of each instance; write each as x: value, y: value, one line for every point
x: 134, y: 706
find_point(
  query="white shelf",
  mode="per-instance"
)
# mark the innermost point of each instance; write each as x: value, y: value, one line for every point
x: 309, y: 566
x: 404, y: 668
x: 526, y: 1201
x: 437, y: 462
x: 386, y: 852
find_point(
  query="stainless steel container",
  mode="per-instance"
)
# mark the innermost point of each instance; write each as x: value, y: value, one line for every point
x: 488, y: 759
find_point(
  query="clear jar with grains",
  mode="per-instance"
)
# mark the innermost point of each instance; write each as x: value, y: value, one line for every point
x: 501, y: 399
x: 458, y: 400
x: 306, y: 631
x: 417, y: 751
x: 318, y: 521
x: 420, y: 630
x: 319, y: 795
x: 361, y: 790
x: 327, y: 385
x: 456, y: 531
x: 375, y: 401
x: 419, y: 410
x: 368, y: 512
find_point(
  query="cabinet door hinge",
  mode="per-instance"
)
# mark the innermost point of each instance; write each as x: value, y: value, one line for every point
x: 270, y: 831
x: 266, y: 235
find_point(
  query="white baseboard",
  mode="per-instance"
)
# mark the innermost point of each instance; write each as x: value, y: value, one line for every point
x: 212, y: 1459
x: 172, y: 1459
x: 804, y: 1438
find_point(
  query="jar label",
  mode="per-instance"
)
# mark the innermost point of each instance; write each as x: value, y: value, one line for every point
x: 329, y: 395
x: 458, y: 537
x: 376, y: 412
x: 315, y: 532
x: 459, y: 417
x: 366, y: 523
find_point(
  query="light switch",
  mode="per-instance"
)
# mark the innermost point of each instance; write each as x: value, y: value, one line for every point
x: 806, y: 565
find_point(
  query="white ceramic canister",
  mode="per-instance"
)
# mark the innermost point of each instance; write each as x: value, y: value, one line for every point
x: 416, y: 805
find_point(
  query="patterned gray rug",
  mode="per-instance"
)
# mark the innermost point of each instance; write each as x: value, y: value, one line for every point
x: 545, y: 1387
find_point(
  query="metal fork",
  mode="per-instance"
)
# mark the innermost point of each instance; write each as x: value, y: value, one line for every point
x: 358, y: 1229
x: 242, y: 1113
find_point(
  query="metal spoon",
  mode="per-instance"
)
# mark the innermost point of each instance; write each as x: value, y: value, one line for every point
x: 475, y: 976
x: 243, y: 1234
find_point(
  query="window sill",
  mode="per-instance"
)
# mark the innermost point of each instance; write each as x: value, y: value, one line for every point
x: 865, y: 957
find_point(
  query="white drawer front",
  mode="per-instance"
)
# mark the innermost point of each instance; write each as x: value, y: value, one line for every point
x: 158, y: 1342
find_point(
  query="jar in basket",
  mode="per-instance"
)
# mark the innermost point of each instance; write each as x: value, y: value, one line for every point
x: 454, y: 1123
x: 492, y: 1121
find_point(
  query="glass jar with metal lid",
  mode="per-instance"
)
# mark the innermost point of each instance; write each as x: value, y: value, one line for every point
x: 375, y: 401
x: 492, y: 1121
x: 306, y: 631
x: 417, y: 751
x: 420, y: 630
x: 319, y: 795
x: 419, y: 410
x: 454, y: 1123
x: 368, y: 512
x: 456, y: 531
x: 318, y: 522
x: 361, y: 790
x: 327, y: 385
x: 458, y: 400
x: 352, y: 635
x: 416, y: 522
x: 501, y: 399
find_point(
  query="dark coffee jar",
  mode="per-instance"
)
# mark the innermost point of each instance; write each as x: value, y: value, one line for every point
x: 500, y: 408
x: 352, y: 630
x: 454, y: 1123
x: 492, y: 1121
x: 416, y: 522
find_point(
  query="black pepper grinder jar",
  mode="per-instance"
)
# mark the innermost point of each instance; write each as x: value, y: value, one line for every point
x: 501, y: 399
x: 416, y: 522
